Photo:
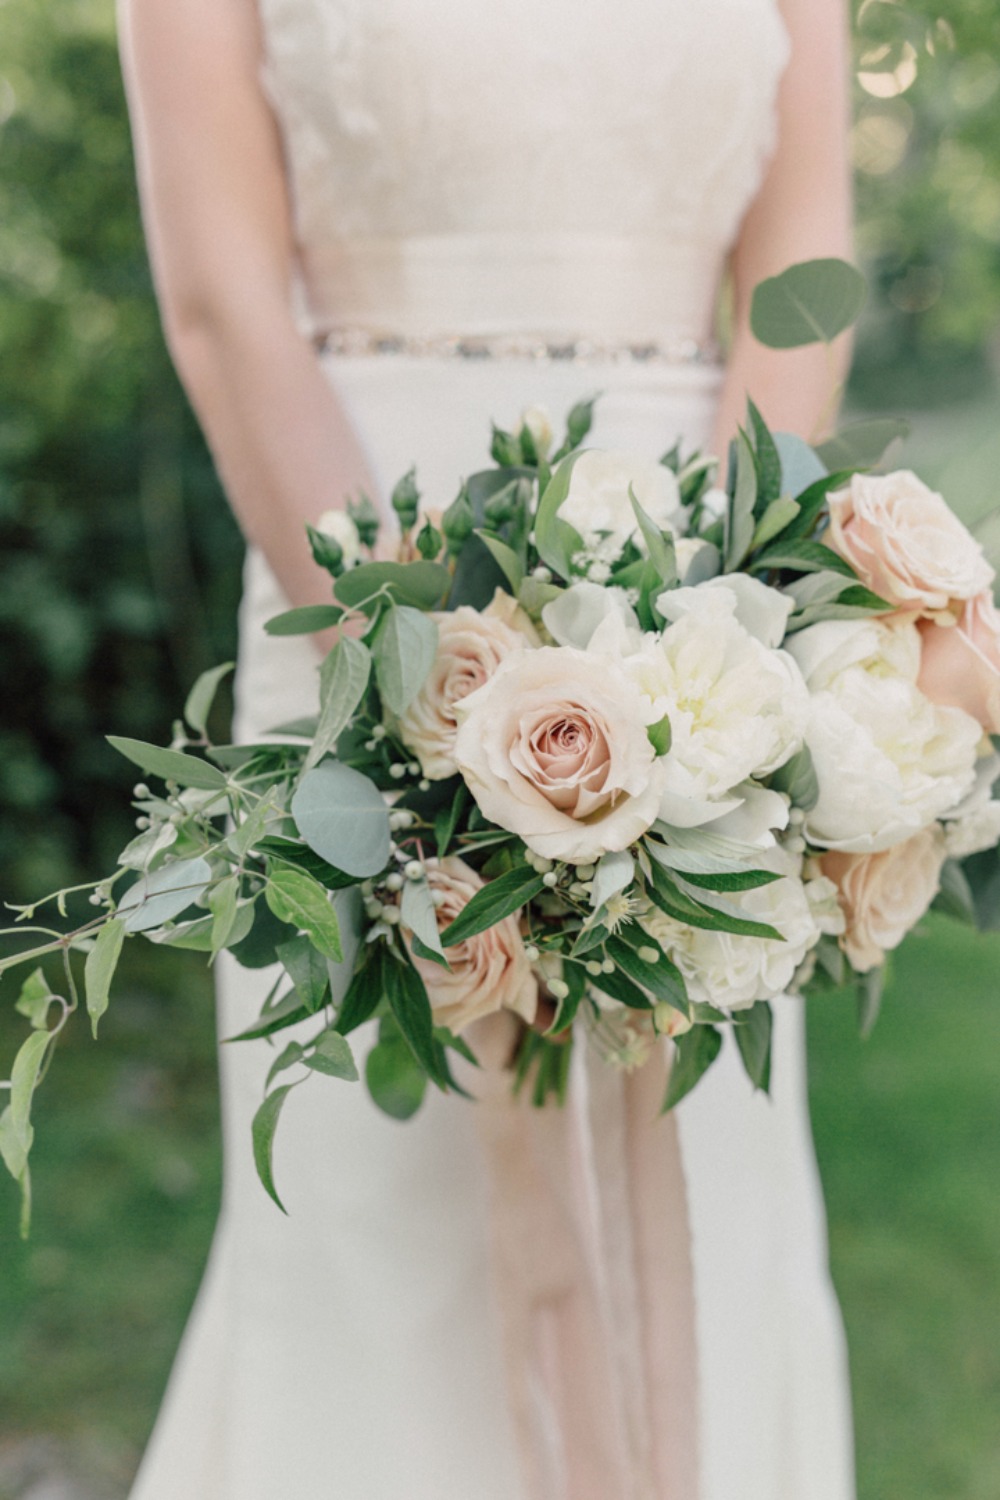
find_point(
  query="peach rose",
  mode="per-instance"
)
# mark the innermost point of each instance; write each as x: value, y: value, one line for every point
x: 489, y: 972
x: 906, y: 544
x: 471, y: 645
x: 883, y: 895
x: 960, y: 663
x: 554, y: 747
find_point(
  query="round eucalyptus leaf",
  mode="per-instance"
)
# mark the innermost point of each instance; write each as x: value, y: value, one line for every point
x: 809, y: 303
x: 343, y: 817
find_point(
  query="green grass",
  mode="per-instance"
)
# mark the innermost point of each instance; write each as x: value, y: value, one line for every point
x: 908, y: 1133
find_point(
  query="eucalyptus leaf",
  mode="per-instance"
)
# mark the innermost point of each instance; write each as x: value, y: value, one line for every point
x: 306, y: 620
x: 801, y: 466
x: 422, y: 585
x: 264, y: 1124
x: 343, y: 680
x: 343, y: 817
x: 404, y: 653
x: 171, y: 765
x: 739, y: 515
x: 99, y: 968
x: 164, y: 893
x: 299, y: 900
x: 862, y: 445
x: 809, y: 303
x: 202, y: 696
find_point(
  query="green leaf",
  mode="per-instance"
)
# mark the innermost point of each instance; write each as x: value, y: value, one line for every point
x: 660, y: 978
x: 34, y: 1000
x: 253, y: 827
x: 809, y: 303
x: 264, y: 1124
x: 621, y: 988
x: 332, y: 1055
x: 404, y: 653
x: 343, y: 680
x: 394, y: 1081
x: 288, y: 1011
x: 164, y: 893
x: 506, y: 558
x: 307, y: 620
x: 739, y: 515
x: 615, y: 872
x: 343, y: 817
x: 862, y: 445
x: 23, y: 1079
x: 955, y: 895
x: 677, y: 903
x: 223, y: 903
x: 753, y: 1037
x: 291, y: 1055
x: 659, y: 546
x: 307, y: 970
x: 743, y: 880
x: 556, y: 540
x: 446, y: 819
x: 694, y: 1054
x: 15, y: 1158
x: 364, y: 992
x: 411, y: 1008
x: 805, y: 557
x: 779, y: 514
x: 660, y: 735
x: 502, y: 896
x: 171, y: 765
x: 294, y: 852
x: 202, y: 696
x: 297, y: 899
x: 812, y: 502
x: 196, y: 935
x: 797, y: 777
x: 99, y: 969
x: 420, y: 584
x: 869, y: 990
x: 418, y: 914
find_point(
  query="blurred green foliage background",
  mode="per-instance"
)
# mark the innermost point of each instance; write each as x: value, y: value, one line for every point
x: 119, y: 576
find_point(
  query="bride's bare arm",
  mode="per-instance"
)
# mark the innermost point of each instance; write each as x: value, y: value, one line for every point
x: 803, y: 210
x: 216, y: 211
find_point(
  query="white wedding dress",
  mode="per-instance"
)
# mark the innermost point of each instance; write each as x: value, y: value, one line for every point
x: 566, y: 170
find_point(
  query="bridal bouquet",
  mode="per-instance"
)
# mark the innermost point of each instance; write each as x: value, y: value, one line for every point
x: 608, y: 747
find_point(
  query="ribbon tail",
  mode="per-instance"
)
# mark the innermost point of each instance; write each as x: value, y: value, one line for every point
x: 593, y: 1270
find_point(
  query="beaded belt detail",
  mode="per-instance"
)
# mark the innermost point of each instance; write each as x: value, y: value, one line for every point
x: 526, y: 346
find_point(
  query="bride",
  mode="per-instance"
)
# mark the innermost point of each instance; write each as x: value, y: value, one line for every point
x: 345, y: 202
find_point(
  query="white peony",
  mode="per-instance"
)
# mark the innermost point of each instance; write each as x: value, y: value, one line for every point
x: 974, y: 825
x: 731, y: 971
x: 737, y: 708
x: 597, y: 503
x: 338, y: 525
x: 888, y: 761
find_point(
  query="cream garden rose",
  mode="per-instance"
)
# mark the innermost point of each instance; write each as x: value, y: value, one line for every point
x: 488, y: 972
x: 960, y: 663
x: 471, y: 645
x: 597, y: 503
x: 338, y: 525
x: 554, y: 747
x: 906, y: 544
x: 883, y: 895
x: 888, y: 761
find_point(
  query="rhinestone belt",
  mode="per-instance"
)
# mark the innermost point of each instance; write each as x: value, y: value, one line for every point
x: 363, y: 341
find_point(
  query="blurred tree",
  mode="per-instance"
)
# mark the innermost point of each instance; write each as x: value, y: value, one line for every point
x: 119, y: 558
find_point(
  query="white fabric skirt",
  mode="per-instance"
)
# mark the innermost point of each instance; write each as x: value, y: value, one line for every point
x: 352, y: 1351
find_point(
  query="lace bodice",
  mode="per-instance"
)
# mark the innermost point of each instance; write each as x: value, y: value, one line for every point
x: 567, y: 167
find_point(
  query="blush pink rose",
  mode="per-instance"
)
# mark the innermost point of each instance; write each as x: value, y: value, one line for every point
x: 489, y: 972
x: 471, y: 645
x: 884, y: 895
x: 906, y: 544
x: 960, y: 663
